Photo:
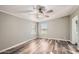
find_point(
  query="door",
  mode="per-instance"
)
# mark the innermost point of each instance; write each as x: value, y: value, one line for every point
x: 75, y: 30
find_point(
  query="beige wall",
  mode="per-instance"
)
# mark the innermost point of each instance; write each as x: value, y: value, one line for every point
x: 14, y: 30
x: 57, y: 28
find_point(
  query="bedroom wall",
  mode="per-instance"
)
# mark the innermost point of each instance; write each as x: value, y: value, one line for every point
x: 57, y: 28
x: 14, y: 30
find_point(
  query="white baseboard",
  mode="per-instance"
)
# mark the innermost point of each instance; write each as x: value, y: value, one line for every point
x: 56, y: 39
x: 16, y: 45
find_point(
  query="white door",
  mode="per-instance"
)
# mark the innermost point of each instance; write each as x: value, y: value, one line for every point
x: 75, y: 30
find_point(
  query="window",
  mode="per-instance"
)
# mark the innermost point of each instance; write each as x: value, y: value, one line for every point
x: 43, y: 28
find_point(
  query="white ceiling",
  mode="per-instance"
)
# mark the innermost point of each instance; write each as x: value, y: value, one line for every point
x: 59, y: 11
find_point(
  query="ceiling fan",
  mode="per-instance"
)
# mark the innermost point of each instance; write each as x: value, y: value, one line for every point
x: 39, y: 11
x: 43, y: 11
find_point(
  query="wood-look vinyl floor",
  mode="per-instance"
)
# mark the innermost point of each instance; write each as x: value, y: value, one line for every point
x: 44, y: 46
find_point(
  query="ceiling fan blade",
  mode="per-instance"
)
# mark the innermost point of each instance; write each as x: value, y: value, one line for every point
x: 49, y: 11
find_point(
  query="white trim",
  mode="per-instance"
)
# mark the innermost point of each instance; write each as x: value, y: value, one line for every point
x: 16, y: 45
x: 58, y: 39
